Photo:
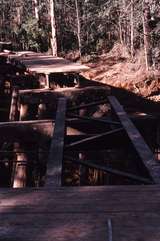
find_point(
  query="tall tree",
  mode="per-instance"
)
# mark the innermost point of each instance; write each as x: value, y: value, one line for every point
x: 78, y: 28
x: 147, y: 33
x: 53, y: 29
x: 35, y: 3
x: 132, y: 28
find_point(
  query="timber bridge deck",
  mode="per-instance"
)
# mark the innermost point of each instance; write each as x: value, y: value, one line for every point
x: 50, y: 149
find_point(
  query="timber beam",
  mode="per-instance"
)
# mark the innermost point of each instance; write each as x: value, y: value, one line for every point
x: 38, y: 96
x: 105, y: 142
x: 139, y: 144
x: 55, y: 161
x: 92, y: 139
x: 39, y: 130
x: 98, y: 120
x: 95, y: 103
x: 26, y: 130
x: 13, y: 116
x: 103, y: 168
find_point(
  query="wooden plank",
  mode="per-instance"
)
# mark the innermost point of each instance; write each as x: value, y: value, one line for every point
x: 137, y: 140
x: 19, y: 176
x: 95, y: 128
x: 27, y: 123
x: 83, y: 226
x: 57, y: 228
x: 38, y: 96
x: 103, y: 168
x: 24, y: 130
x: 99, y: 102
x: 19, y: 168
x: 102, y: 200
x: 48, y: 64
x: 9, y: 196
x: 85, y: 206
x: 36, y: 128
x: 14, y: 105
x: 106, y: 142
x: 54, y: 167
x: 93, y: 138
x: 91, y: 119
x: 24, y: 113
x: 82, y: 126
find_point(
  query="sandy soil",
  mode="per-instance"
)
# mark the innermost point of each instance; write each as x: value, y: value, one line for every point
x: 116, y: 68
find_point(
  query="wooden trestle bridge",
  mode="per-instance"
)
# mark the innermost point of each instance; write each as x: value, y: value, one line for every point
x: 125, y: 209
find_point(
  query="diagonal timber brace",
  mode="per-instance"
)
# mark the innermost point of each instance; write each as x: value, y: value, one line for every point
x: 103, y: 168
x: 139, y: 144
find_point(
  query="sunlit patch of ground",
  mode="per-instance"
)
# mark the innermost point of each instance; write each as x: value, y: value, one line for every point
x: 116, y: 68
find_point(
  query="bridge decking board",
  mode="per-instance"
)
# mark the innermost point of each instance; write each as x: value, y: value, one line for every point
x: 80, y: 213
x: 48, y: 64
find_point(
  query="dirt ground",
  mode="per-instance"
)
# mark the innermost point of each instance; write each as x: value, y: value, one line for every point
x: 117, y: 69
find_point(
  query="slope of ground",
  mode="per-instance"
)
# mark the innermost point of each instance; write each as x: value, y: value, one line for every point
x: 116, y: 69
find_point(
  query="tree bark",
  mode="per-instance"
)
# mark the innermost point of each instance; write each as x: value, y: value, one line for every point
x: 120, y: 31
x: 19, y: 12
x: 36, y: 9
x: 53, y: 29
x: 147, y: 34
x: 132, y: 28
x: 78, y: 29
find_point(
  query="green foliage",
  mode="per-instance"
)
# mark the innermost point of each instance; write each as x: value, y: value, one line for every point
x: 100, y: 22
x: 32, y: 37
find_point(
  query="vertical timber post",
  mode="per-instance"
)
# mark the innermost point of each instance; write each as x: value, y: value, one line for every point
x: 47, y: 85
x: 55, y: 162
x: 23, y: 112
x: 13, y: 115
x: 20, y: 168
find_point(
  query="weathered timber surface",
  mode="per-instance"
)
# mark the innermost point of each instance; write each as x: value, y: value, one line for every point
x: 103, y: 142
x: 98, y: 120
x: 26, y: 130
x: 20, y: 168
x: 55, y: 162
x: 80, y: 213
x: 48, y: 64
x: 14, y: 105
x: 89, y: 105
x: 74, y: 127
x: 37, y: 129
x: 89, y: 140
x: 91, y: 164
x: 74, y: 94
x: 142, y: 149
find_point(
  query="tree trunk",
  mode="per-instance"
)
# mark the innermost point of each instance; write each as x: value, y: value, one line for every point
x: 132, y: 28
x: 147, y: 35
x: 120, y: 31
x: 19, y: 12
x: 53, y: 27
x: 36, y: 9
x: 78, y: 29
